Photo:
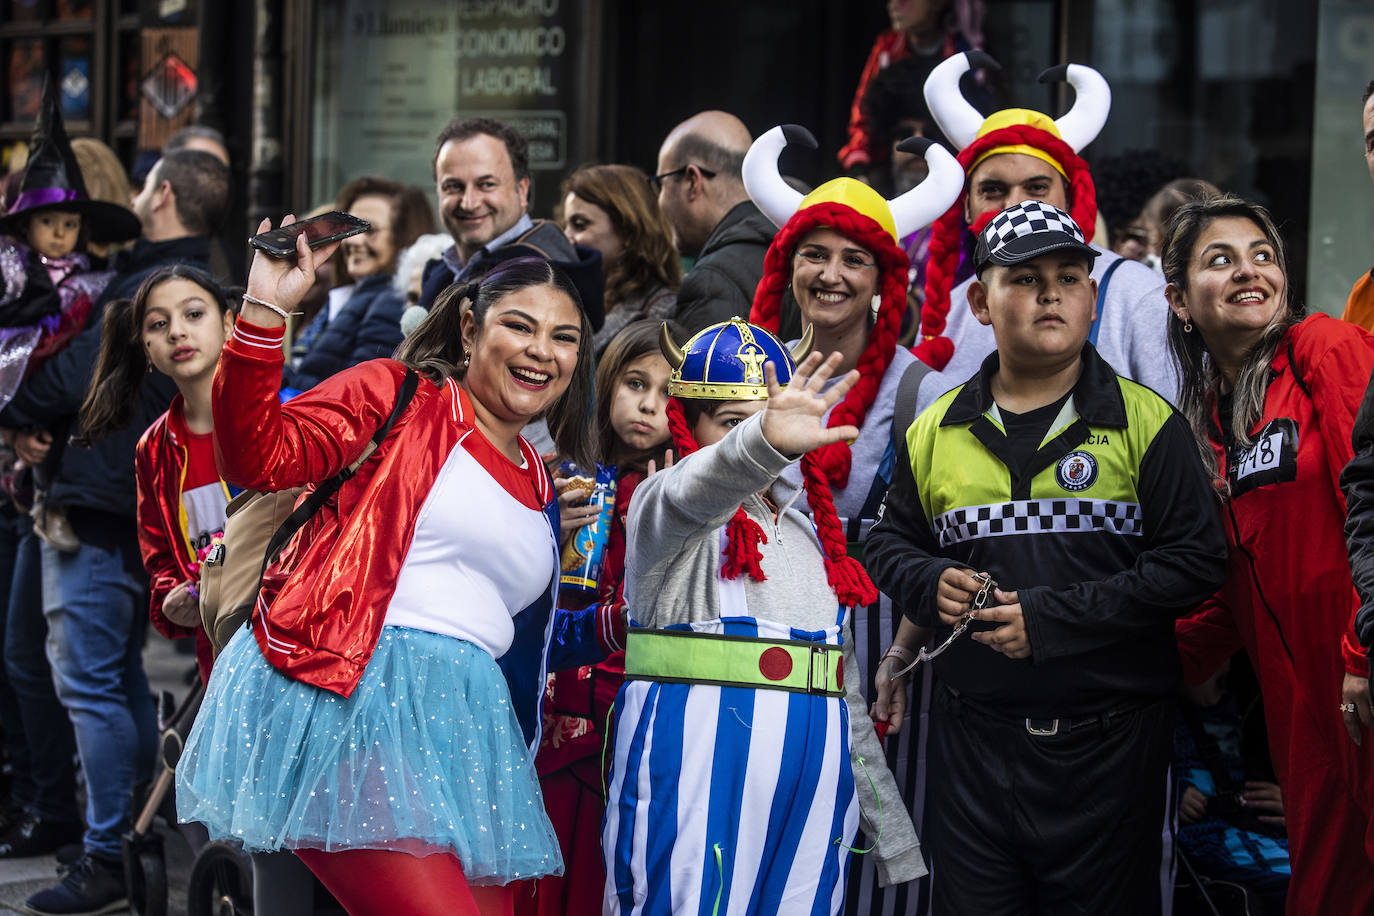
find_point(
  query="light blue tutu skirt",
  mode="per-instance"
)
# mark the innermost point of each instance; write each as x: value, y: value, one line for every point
x: 425, y: 757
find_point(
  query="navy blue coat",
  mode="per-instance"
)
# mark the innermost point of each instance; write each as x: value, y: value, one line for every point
x: 367, y: 327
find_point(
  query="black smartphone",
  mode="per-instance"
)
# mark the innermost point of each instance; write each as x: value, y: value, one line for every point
x: 319, y: 230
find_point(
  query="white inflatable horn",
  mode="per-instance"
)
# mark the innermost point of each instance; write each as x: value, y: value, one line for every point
x: 957, y: 118
x: 776, y: 198
x: 1092, y: 102
x: 936, y: 193
x: 915, y: 209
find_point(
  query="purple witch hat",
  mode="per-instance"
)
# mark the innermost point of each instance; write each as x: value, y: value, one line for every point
x: 52, y: 180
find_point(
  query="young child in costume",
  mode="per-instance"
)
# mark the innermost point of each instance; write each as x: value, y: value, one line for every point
x: 744, y: 757
x: 1082, y: 496
x: 177, y: 323
x: 632, y: 429
x: 49, y: 282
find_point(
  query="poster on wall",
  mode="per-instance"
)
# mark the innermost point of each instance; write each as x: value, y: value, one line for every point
x: 389, y: 74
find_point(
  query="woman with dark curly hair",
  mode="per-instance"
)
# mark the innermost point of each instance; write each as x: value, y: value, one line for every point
x: 612, y: 208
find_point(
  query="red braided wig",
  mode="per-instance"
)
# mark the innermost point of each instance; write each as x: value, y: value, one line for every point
x: 835, y: 460
x: 935, y: 349
x: 743, y: 535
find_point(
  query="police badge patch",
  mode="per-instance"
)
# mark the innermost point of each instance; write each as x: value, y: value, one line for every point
x: 1076, y: 471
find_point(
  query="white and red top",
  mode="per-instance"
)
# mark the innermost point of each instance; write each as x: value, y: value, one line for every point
x: 458, y: 580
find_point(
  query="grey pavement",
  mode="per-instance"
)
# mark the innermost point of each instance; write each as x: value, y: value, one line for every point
x: 21, y: 877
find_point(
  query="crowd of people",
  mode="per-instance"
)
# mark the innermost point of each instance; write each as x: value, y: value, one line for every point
x: 716, y: 545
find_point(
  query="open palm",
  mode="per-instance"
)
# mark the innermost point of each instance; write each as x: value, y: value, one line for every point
x: 794, y: 417
x: 283, y: 281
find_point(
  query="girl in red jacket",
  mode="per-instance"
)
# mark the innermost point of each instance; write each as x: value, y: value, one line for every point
x: 1271, y: 396
x: 177, y: 323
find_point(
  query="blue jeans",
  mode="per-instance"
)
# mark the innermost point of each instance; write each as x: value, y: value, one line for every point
x: 96, y: 619
x: 49, y: 787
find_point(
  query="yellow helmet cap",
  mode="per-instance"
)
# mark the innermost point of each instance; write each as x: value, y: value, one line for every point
x: 857, y: 196
x: 1018, y: 117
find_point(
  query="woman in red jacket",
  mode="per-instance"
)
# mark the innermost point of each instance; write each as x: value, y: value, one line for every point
x: 177, y: 323
x: 1271, y: 396
x: 380, y: 717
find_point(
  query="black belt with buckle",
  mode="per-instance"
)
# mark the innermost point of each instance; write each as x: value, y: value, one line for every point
x: 1045, y: 728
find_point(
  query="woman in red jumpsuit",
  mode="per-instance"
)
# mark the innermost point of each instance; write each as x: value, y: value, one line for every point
x: 1271, y: 396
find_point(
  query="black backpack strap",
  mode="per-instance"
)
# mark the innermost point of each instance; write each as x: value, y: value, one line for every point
x: 904, y: 411
x: 327, y: 488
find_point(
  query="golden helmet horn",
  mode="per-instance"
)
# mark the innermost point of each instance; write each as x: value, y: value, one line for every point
x: 671, y: 351
x: 803, y: 348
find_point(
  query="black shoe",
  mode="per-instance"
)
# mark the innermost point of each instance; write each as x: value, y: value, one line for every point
x: 68, y: 853
x: 35, y: 836
x: 89, y: 887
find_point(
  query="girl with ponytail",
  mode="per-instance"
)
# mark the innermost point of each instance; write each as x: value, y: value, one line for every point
x: 740, y: 639
x: 177, y: 323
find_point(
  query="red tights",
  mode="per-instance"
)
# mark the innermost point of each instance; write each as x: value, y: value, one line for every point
x: 379, y: 882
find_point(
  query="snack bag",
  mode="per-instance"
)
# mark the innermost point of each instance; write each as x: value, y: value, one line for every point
x: 582, y: 557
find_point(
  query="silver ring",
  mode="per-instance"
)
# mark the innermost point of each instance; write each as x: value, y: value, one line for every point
x: 1347, y: 707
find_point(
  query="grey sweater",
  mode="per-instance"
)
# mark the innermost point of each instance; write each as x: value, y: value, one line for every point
x: 1131, y: 336
x: 672, y: 566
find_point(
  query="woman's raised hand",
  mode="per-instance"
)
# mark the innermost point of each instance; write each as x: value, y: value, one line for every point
x: 793, y: 419
x: 281, y: 281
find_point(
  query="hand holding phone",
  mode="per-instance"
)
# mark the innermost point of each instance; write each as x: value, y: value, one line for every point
x: 283, y: 282
x: 333, y: 226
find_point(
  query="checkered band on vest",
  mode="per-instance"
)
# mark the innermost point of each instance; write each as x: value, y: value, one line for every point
x: 1035, y: 516
x: 1029, y: 217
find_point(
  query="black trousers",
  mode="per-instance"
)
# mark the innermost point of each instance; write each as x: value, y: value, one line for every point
x: 1055, y: 824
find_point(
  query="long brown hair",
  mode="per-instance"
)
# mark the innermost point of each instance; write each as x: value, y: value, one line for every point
x: 649, y: 258
x: 1199, y: 376
x: 635, y: 340
x: 122, y: 363
x: 435, y: 347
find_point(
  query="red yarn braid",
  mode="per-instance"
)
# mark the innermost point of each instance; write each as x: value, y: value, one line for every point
x: 743, y: 535
x: 835, y: 460
x: 935, y: 349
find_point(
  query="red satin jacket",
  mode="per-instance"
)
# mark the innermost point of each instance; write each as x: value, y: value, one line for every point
x: 321, y: 626
x: 159, y: 466
x: 1288, y: 599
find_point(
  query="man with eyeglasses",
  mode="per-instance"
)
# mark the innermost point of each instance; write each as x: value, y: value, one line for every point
x: 702, y: 194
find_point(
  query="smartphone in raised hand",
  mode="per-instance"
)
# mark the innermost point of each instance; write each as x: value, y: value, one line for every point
x: 319, y: 230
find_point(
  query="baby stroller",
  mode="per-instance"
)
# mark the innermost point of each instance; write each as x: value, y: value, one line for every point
x: 221, y: 882
x: 222, y: 874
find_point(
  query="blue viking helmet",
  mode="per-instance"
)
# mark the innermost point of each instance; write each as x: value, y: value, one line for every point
x: 725, y: 361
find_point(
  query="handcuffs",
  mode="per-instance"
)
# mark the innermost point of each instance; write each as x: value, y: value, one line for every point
x: 979, y: 602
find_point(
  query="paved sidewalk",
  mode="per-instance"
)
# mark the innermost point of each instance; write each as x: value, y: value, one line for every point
x: 21, y: 877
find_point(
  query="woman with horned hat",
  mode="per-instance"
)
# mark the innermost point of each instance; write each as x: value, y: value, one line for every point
x: 838, y: 250
x: 1014, y: 155
x: 744, y: 757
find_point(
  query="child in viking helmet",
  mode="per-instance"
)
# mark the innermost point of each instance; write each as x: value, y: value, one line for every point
x: 744, y: 758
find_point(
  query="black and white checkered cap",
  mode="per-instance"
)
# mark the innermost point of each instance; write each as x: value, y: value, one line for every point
x: 1025, y: 231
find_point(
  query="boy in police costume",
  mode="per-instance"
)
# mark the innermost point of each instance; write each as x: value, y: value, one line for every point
x: 1080, y: 493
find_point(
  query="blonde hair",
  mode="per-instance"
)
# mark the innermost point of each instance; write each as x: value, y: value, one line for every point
x: 102, y: 171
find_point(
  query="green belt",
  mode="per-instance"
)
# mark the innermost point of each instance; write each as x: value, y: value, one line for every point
x: 686, y: 657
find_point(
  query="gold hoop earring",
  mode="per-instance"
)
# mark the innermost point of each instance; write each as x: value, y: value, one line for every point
x: 1187, y: 327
